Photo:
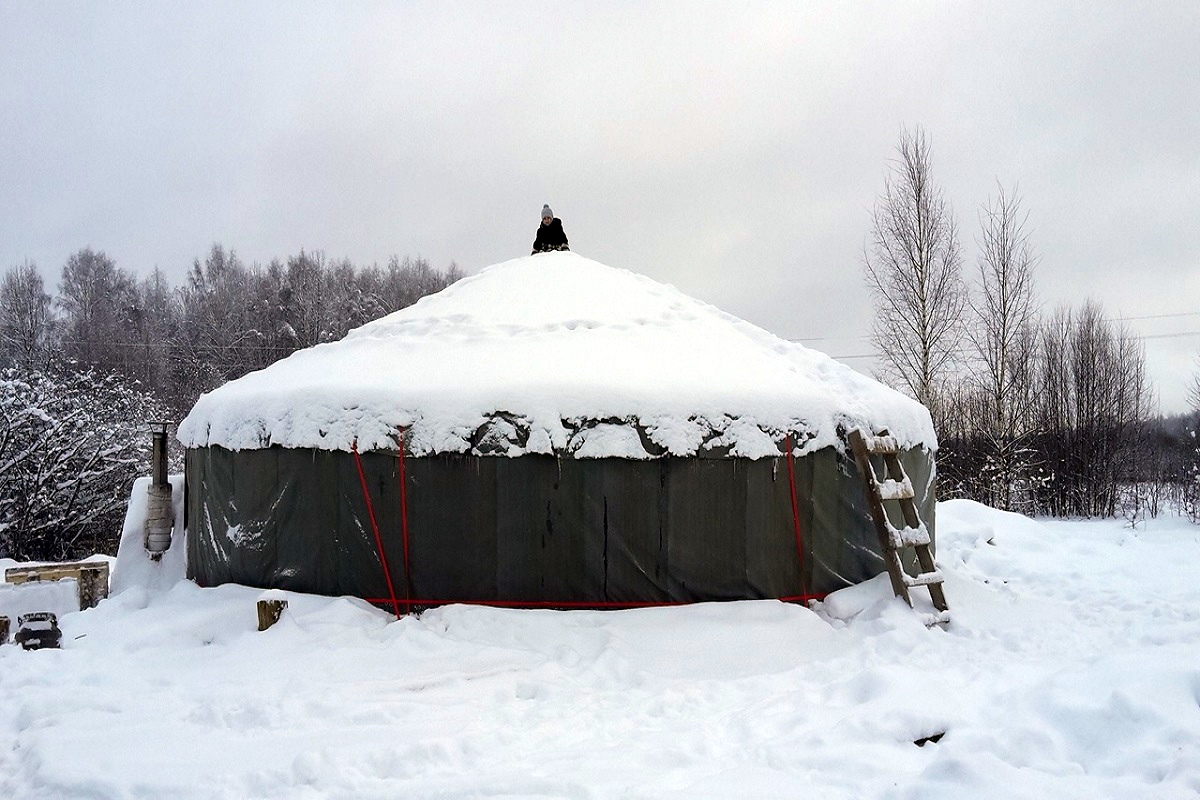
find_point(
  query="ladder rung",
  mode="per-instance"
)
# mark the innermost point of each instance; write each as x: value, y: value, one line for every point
x: 907, y: 537
x: 924, y: 579
x: 895, y: 490
x: 936, y: 618
x: 879, y: 445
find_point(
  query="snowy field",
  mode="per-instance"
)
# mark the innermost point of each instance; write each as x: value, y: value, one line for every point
x: 1071, y: 670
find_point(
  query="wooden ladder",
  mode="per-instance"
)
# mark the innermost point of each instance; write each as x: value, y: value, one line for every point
x: 893, y: 541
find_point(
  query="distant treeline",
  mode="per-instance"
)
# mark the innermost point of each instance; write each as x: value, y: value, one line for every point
x: 1075, y: 431
x: 84, y: 370
x: 227, y: 319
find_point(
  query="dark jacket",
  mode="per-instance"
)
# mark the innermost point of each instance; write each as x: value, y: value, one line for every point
x: 550, y: 237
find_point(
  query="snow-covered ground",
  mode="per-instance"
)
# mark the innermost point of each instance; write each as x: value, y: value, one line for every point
x: 1071, y: 670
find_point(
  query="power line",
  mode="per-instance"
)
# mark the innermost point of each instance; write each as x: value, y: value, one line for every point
x: 1168, y: 335
x: 827, y: 338
x: 802, y: 340
x: 963, y: 351
x: 1161, y: 316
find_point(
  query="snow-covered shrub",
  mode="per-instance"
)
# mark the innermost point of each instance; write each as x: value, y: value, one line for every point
x: 70, y: 446
x: 1191, y: 481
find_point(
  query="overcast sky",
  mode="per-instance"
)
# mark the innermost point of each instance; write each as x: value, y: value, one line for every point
x: 732, y: 149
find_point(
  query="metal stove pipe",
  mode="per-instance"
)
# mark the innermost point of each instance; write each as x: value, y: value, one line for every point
x: 160, y: 515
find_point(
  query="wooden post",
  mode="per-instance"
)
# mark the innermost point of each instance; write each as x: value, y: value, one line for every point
x: 93, y: 586
x: 269, y: 612
x: 4, y: 625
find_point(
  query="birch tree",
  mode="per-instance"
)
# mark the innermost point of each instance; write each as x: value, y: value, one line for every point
x: 1004, y: 340
x: 913, y: 268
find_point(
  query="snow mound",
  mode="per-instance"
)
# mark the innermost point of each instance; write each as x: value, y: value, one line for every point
x: 133, y: 568
x: 58, y: 597
x: 554, y: 353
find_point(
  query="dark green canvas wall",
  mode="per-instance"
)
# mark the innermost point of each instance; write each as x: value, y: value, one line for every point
x: 533, y: 529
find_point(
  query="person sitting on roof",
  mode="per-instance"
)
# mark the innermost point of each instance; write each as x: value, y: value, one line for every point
x: 550, y: 235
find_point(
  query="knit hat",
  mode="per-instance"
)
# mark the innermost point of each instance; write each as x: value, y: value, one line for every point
x: 546, y: 212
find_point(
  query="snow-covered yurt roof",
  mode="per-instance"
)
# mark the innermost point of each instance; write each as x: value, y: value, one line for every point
x: 554, y: 353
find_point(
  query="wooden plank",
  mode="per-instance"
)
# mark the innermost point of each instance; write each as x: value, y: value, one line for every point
x: 907, y: 507
x: 47, y: 573
x: 925, y: 558
x: 895, y: 490
x: 923, y: 579
x: 883, y: 443
x: 907, y: 537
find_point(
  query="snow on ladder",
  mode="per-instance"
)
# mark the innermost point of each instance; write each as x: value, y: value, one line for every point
x: 897, y: 487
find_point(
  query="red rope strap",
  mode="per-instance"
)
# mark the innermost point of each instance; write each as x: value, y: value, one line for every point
x: 409, y: 601
x: 795, y: 512
x: 404, y: 529
x: 362, y: 478
x: 594, y: 605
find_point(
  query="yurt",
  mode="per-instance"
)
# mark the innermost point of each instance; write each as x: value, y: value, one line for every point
x: 551, y: 432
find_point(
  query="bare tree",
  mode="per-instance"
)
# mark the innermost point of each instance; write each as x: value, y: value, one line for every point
x: 26, y: 318
x: 97, y: 298
x: 913, y: 269
x: 310, y: 276
x: 156, y: 319
x: 1005, y: 343
x: 218, y: 336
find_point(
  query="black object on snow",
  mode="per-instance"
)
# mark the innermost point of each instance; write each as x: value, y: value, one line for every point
x: 38, y: 630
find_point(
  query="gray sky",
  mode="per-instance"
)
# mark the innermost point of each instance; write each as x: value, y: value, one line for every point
x: 732, y: 149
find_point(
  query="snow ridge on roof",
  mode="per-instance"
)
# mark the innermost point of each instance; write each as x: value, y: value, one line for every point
x: 554, y: 353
